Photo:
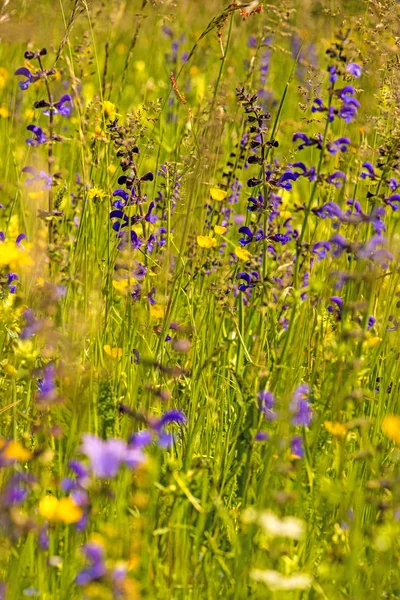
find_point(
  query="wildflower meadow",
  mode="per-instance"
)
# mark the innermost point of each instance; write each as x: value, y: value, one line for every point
x: 199, y: 299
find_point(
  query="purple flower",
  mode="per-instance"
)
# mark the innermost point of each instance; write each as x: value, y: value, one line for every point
x: 61, y: 107
x: 47, y: 389
x: 354, y: 69
x: 249, y: 236
x: 106, y: 456
x: 266, y: 403
x: 300, y: 406
x: 95, y: 555
x: 296, y: 446
x: 39, y: 136
x: 339, y: 145
x: 30, y: 77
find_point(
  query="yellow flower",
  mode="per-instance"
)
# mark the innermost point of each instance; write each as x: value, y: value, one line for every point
x: 29, y: 114
x: 64, y: 510
x: 4, y: 112
x: 391, y: 427
x: 372, y: 341
x: 13, y: 256
x: 3, y: 77
x: 157, y: 311
x: 109, y: 110
x: 206, y: 241
x: 123, y: 284
x: 96, y: 192
x: 242, y: 254
x: 140, y: 65
x: 14, y: 450
x: 113, y: 352
x: 219, y: 229
x: 35, y: 195
x: 217, y: 194
x: 337, y: 429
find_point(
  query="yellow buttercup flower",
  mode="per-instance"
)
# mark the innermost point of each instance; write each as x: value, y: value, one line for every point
x: 242, y: 254
x: 3, y: 77
x: 219, y: 229
x: 206, y: 241
x: 14, y: 450
x: 96, y: 192
x: 63, y: 510
x: 157, y: 311
x: 217, y: 194
x: 4, y: 112
x: 113, y: 352
x: 391, y: 427
x: 109, y: 110
x: 122, y: 284
x: 13, y: 256
x: 337, y: 429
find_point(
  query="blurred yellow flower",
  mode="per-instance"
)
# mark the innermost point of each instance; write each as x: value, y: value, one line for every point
x: 14, y: 450
x: 122, y: 284
x: 391, y: 427
x: 335, y: 428
x: 242, y: 254
x: 217, y: 194
x: 372, y: 341
x: 206, y: 241
x: 4, y: 112
x: 3, y: 77
x: 219, y: 229
x: 109, y: 110
x: 63, y: 510
x: 157, y: 311
x: 113, y: 352
x: 12, y: 256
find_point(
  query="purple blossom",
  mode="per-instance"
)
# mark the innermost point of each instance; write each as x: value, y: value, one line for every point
x: 106, y: 456
x: 266, y: 403
x: 300, y: 406
x: 354, y: 69
x: 39, y: 136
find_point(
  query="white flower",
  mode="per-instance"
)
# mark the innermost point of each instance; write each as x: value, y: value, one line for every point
x: 276, y: 581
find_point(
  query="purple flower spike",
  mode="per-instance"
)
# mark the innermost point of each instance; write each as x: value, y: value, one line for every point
x: 300, y: 405
x: 354, y: 69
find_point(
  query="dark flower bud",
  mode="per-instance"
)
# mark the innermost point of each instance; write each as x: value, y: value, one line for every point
x: 43, y: 52
x: 41, y: 104
x: 148, y: 177
x: 253, y: 182
x: 29, y: 55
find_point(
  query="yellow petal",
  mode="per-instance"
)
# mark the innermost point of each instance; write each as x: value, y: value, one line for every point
x: 219, y: 229
x: 113, y: 352
x: 48, y: 507
x: 206, y: 241
x: 337, y: 429
x: 67, y: 511
x: 15, y: 451
x: 242, y: 254
x: 391, y: 427
x: 217, y: 194
x: 157, y: 311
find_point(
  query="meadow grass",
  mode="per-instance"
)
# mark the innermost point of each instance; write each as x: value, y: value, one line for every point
x: 199, y: 372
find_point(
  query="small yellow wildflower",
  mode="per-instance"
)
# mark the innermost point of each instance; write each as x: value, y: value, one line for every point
x: 113, y: 352
x: 13, y: 256
x: 3, y: 77
x: 109, y: 110
x: 35, y: 195
x: 337, y: 429
x: 140, y: 66
x: 372, y: 341
x: 14, y: 450
x: 391, y: 427
x: 29, y: 113
x: 63, y: 510
x: 217, y: 194
x: 157, y: 311
x: 123, y: 284
x: 4, y: 112
x: 219, y: 229
x: 206, y: 241
x: 242, y: 254
x: 96, y: 192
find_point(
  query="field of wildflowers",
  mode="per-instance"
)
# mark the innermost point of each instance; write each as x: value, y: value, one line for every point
x: 199, y: 299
